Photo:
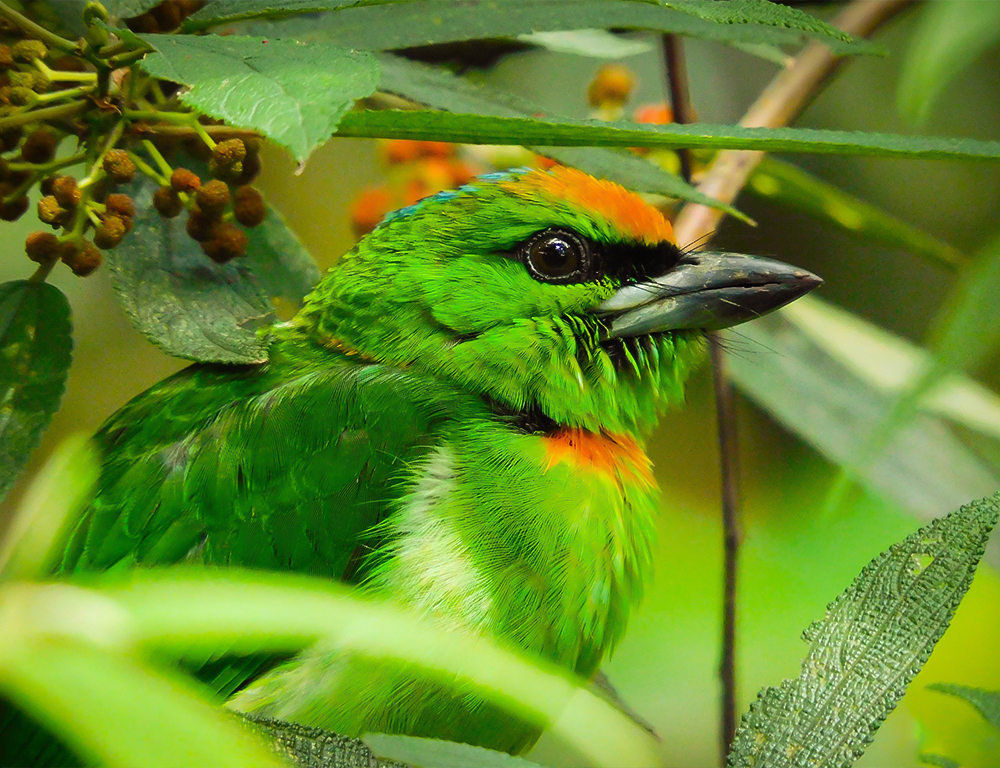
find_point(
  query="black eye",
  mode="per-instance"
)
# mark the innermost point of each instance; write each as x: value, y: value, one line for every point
x: 558, y: 256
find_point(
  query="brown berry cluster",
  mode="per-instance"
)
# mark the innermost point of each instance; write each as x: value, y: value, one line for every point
x: 165, y: 17
x: 212, y: 204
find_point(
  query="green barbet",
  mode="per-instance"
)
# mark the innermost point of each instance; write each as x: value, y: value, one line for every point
x: 455, y: 420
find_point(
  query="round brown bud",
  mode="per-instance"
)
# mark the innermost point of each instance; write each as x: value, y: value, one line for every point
x: 248, y: 206
x: 251, y: 169
x: 21, y: 96
x: 42, y: 247
x: 39, y: 147
x: 229, y: 151
x: 119, y: 166
x: 82, y: 258
x: 26, y: 50
x: 14, y: 209
x: 225, y: 171
x: 213, y: 198
x: 199, y: 226
x: 45, y: 187
x: 167, y: 202
x: 120, y: 205
x: 612, y: 84
x: 49, y: 211
x: 6, y: 57
x: 228, y: 242
x: 110, y: 232
x: 65, y: 190
x: 184, y: 180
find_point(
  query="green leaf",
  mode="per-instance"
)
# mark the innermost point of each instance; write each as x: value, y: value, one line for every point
x: 198, y: 613
x: 294, y: 93
x: 790, y: 186
x: 480, y: 129
x: 32, y: 543
x: 179, y: 299
x: 435, y: 87
x: 987, y: 703
x: 128, y: 9
x: 949, y: 37
x: 435, y: 753
x: 281, y: 265
x: 375, y: 25
x: 306, y: 747
x: 36, y: 346
x: 828, y: 376
x: 939, y: 761
x: 592, y: 43
x: 874, y: 639
x: 106, y: 705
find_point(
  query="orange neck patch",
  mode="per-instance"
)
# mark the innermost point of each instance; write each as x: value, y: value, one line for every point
x: 627, y: 211
x: 617, y: 456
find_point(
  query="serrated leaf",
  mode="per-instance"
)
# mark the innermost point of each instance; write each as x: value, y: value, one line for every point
x: 987, y: 703
x: 828, y: 376
x: 435, y: 753
x: 435, y: 87
x: 179, y: 299
x: 480, y: 129
x: 403, y: 24
x: 938, y: 761
x: 281, y: 265
x: 790, y: 186
x: 36, y: 346
x: 948, y: 38
x: 874, y: 639
x: 31, y: 545
x: 294, y: 93
x: 109, y: 707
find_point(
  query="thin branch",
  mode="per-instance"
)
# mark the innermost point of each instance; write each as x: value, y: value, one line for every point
x: 680, y: 92
x: 44, y: 115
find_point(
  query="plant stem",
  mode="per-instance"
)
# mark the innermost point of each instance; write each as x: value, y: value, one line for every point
x: 44, y: 115
x: 62, y: 76
x: 680, y: 92
x: 47, y: 168
x: 34, y: 30
x: 154, y: 153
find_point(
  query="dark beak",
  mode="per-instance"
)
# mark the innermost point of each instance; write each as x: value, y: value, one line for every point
x: 705, y: 290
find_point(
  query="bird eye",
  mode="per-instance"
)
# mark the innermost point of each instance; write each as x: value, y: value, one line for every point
x: 557, y: 256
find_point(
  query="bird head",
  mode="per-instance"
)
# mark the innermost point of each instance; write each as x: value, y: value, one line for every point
x: 548, y: 293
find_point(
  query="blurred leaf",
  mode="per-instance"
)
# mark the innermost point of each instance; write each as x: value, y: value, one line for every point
x: 127, y: 9
x: 399, y: 25
x: 440, y: 89
x: 874, y: 639
x: 968, y: 329
x: 31, y: 545
x: 939, y: 761
x: 294, y: 93
x: 948, y: 38
x: 281, y: 265
x: 792, y: 187
x: 480, y: 129
x: 987, y: 703
x: 178, y: 298
x: 199, y: 613
x: 828, y: 377
x: 765, y: 51
x: 109, y: 707
x: 593, y: 43
x: 36, y: 347
x: 435, y: 753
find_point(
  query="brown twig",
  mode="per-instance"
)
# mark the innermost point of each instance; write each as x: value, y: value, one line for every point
x: 780, y: 103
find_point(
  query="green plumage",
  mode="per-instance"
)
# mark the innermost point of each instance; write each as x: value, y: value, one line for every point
x: 442, y: 423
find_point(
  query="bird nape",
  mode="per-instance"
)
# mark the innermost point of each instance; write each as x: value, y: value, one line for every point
x: 454, y: 420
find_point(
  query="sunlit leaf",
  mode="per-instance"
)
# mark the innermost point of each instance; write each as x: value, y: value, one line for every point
x: 593, y: 43
x: 294, y: 93
x: 435, y: 753
x: 874, y: 639
x: 950, y: 35
x: 987, y: 703
x: 35, y: 351
x: 481, y: 129
x: 31, y: 545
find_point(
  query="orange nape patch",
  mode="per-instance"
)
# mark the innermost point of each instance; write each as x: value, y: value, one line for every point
x: 618, y: 456
x: 625, y: 210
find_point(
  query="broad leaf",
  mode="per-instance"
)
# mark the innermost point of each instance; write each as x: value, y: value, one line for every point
x: 792, y: 187
x: 188, y: 305
x: 281, y: 265
x: 198, y: 613
x: 31, y: 546
x: 108, y: 707
x: 35, y: 351
x: 987, y: 703
x: 480, y: 129
x: 383, y: 25
x: 435, y: 87
x: 828, y: 377
x: 592, y: 43
x: 948, y: 38
x: 874, y: 639
x: 435, y: 753
x: 294, y: 93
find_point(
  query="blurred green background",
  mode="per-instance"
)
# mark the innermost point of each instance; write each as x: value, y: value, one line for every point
x: 796, y: 558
